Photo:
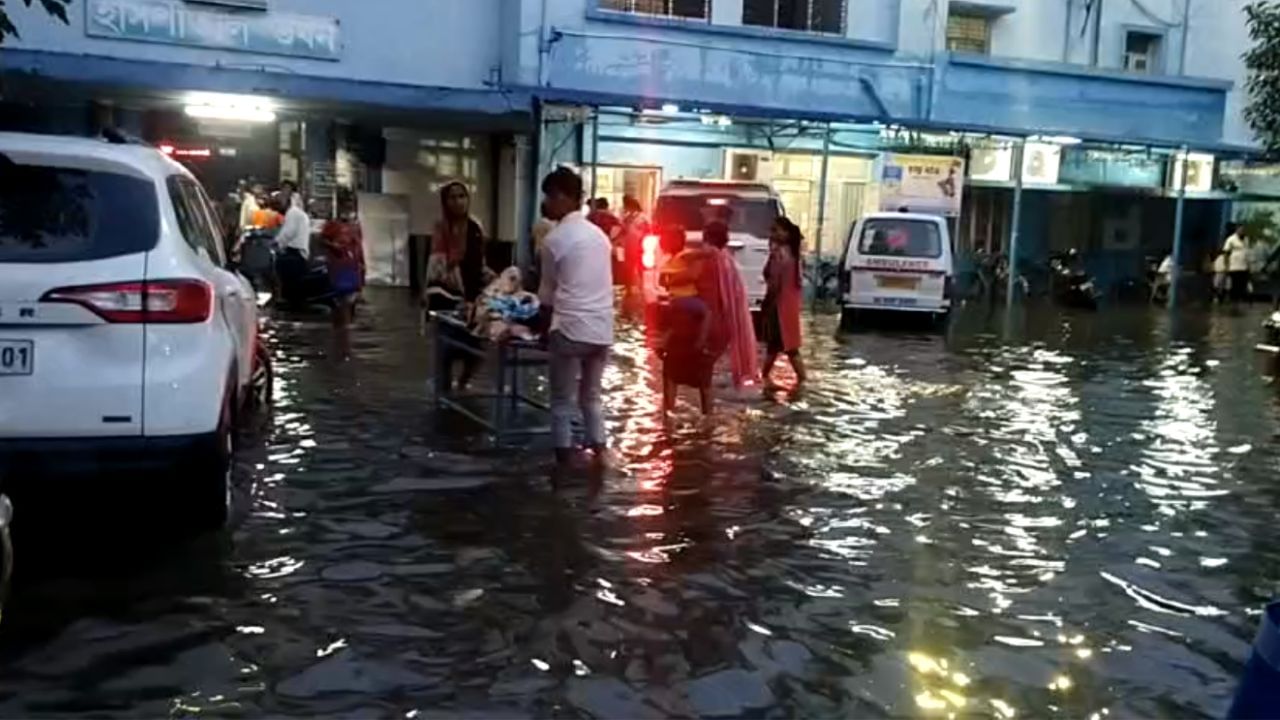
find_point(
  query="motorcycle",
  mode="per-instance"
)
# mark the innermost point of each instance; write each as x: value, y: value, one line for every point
x: 1072, y: 286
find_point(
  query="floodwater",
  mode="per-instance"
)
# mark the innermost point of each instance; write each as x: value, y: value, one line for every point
x: 1045, y: 515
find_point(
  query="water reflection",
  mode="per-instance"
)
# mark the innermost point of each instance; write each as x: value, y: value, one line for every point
x: 1063, y: 516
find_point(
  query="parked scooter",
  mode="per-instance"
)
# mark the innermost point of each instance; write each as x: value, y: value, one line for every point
x: 1072, y: 285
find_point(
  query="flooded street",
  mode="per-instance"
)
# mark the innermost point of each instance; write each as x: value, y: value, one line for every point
x: 1048, y: 515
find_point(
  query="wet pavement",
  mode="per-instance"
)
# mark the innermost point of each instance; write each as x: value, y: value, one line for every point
x: 1048, y: 515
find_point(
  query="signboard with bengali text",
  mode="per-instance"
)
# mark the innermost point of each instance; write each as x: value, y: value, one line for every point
x: 922, y: 183
x: 177, y: 23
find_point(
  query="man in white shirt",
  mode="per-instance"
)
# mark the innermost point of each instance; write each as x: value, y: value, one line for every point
x: 293, y: 243
x: 1237, y: 253
x: 295, y: 231
x: 577, y: 286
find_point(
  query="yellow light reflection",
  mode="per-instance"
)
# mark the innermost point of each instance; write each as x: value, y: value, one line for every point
x: 956, y: 699
x: 924, y: 664
x: 1062, y: 683
x: 928, y: 701
x: 1003, y: 709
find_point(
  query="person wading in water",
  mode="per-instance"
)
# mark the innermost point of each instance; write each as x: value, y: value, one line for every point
x: 781, y: 312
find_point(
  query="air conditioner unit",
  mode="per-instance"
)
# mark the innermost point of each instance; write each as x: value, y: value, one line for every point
x: 748, y: 165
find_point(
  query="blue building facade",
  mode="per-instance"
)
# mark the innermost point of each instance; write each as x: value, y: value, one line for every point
x: 642, y: 91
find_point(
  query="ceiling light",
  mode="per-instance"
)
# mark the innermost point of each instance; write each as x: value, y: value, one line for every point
x: 244, y: 114
x: 1056, y: 139
x: 219, y: 106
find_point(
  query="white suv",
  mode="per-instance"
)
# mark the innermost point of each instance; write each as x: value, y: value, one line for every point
x: 124, y: 340
x: 691, y: 204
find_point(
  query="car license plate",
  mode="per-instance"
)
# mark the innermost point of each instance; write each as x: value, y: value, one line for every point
x: 897, y: 282
x: 895, y: 301
x: 17, y: 357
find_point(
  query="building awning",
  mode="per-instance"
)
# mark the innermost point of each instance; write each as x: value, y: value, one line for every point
x: 595, y: 99
x: 162, y: 77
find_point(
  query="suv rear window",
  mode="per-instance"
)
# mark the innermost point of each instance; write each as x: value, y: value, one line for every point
x: 56, y: 214
x: 748, y: 215
x: 900, y: 238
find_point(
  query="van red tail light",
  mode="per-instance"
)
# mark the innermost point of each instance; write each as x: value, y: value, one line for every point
x: 147, y: 301
x: 649, y: 251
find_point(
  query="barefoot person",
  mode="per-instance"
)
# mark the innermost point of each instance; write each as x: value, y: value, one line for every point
x: 781, y: 312
x: 735, y: 312
x: 720, y: 287
x: 691, y: 341
x: 577, y: 285
x: 344, y: 257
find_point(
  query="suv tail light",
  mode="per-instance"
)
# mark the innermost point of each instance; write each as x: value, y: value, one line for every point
x: 146, y: 301
x: 649, y: 251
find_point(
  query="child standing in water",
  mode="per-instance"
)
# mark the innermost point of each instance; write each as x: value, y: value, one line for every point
x: 689, y: 312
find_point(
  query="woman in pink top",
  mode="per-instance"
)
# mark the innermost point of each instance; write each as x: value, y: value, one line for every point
x: 781, y: 312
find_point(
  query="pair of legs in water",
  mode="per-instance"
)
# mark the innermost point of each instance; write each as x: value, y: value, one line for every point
x: 776, y: 346
x: 797, y: 365
x: 687, y: 352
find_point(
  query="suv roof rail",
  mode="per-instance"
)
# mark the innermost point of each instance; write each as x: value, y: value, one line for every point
x: 116, y: 136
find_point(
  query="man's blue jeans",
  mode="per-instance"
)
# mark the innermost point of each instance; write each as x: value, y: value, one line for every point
x: 577, y: 370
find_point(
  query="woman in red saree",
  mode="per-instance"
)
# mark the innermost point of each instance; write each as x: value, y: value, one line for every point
x: 781, y: 311
x: 692, y: 351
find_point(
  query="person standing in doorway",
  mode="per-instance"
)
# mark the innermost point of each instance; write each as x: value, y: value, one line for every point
x: 577, y: 286
x: 781, y: 312
x: 630, y: 244
x: 604, y: 219
x: 1237, y: 252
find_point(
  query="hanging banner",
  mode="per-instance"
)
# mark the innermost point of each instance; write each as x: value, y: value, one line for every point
x: 922, y: 183
x: 178, y: 23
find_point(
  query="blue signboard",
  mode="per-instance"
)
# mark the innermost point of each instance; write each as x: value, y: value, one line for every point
x: 177, y: 23
x: 1105, y: 167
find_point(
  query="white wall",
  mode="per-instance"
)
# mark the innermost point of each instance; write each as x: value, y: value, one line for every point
x: 1035, y: 31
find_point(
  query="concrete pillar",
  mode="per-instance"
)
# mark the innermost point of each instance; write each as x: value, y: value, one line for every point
x: 1178, y: 215
x: 822, y: 188
x: 1014, y: 233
